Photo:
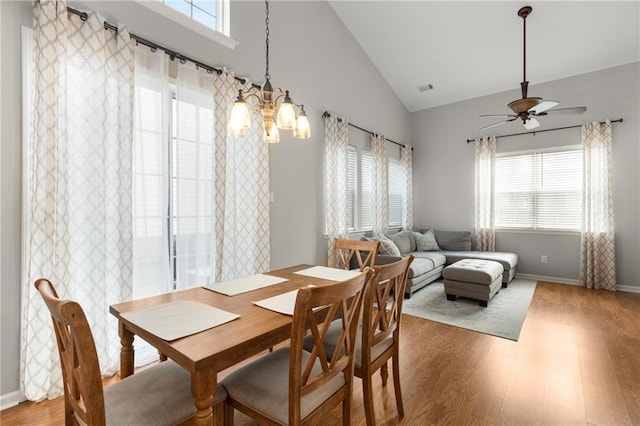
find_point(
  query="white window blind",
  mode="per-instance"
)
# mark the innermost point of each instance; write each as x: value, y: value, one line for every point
x: 366, y: 205
x: 395, y: 192
x: 540, y: 190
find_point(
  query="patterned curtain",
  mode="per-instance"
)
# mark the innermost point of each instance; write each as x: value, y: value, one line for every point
x: 485, y: 164
x: 242, y: 189
x: 597, y: 254
x: 336, y: 137
x: 78, y: 215
x: 406, y: 159
x: 380, y: 184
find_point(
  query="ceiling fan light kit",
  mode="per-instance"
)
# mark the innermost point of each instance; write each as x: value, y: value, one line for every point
x: 527, y: 108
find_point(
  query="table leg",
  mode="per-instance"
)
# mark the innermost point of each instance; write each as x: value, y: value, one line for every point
x: 203, y: 386
x: 126, y: 351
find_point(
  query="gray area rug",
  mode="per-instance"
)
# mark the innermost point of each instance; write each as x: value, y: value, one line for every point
x: 503, y: 317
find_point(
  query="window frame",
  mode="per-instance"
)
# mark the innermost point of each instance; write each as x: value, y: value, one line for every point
x: 534, y: 228
x: 221, y: 34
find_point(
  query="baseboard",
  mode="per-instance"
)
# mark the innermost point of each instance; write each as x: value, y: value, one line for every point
x: 628, y: 288
x: 10, y: 400
x: 569, y: 281
x: 558, y: 280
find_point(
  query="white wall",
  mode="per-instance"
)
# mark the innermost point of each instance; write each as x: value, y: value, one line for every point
x: 312, y: 54
x: 444, y: 167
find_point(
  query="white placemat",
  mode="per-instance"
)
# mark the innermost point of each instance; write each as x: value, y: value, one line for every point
x: 173, y: 320
x: 243, y: 285
x: 326, y: 273
x: 282, y: 303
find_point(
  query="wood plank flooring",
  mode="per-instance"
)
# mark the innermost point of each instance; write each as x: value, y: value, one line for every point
x: 577, y: 363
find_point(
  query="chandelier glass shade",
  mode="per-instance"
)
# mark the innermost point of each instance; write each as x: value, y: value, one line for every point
x: 277, y: 113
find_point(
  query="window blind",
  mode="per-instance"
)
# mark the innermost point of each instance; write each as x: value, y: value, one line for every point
x: 352, y: 167
x: 540, y: 190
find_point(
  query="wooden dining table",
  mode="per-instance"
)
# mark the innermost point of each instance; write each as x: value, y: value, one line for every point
x: 208, y: 352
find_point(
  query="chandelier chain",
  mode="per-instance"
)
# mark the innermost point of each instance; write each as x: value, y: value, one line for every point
x: 267, y: 76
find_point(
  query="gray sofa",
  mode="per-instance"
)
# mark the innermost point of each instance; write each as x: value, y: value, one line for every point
x: 453, y: 246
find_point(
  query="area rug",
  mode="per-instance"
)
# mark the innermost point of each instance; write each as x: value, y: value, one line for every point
x: 502, y: 318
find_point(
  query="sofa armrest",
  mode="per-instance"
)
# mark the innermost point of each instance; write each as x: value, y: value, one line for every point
x: 384, y: 259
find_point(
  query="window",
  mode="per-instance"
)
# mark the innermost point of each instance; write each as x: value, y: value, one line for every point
x: 212, y: 18
x: 539, y: 190
x: 360, y: 190
x: 173, y: 192
x: 205, y: 12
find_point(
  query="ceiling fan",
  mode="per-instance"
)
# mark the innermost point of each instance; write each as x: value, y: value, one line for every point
x: 527, y: 108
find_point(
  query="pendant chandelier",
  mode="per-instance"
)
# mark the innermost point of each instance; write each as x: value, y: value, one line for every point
x: 276, y: 113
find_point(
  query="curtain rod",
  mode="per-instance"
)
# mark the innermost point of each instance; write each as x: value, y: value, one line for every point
x: 327, y: 114
x: 154, y: 46
x: 619, y: 120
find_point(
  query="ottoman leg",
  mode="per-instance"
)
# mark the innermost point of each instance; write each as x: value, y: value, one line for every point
x: 451, y: 296
x: 483, y: 303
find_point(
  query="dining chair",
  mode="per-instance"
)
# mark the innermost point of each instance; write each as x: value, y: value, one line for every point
x: 292, y: 386
x: 348, y: 254
x: 157, y: 395
x: 378, y: 337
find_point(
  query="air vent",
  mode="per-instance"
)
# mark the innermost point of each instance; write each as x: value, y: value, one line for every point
x: 425, y: 87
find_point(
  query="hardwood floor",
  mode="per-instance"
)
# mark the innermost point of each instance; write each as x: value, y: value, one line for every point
x: 577, y: 363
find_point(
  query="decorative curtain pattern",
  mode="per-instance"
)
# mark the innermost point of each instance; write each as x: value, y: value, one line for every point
x: 597, y: 256
x: 79, y: 216
x: 485, y: 164
x: 241, y: 190
x: 406, y: 159
x: 379, y: 184
x: 336, y: 137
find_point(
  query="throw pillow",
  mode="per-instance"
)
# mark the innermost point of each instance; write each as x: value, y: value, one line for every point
x: 387, y: 247
x: 426, y: 241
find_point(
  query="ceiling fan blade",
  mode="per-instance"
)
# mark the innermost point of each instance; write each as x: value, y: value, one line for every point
x: 543, y: 106
x: 494, y: 125
x: 573, y: 110
x: 497, y: 115
x: 531, y: 124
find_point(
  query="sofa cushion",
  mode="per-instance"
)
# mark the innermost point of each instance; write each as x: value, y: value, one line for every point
x: 419, y: 267
x: 507, y: 260
x: 405, y: 241
x: 437, y: 258
x: 426, y: 241
x: 453, y: 240
x: 387, y: 247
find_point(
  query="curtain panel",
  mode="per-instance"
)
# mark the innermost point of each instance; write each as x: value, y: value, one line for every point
x: 406, y: 159
x: 79, y: 195
x: 336, y: 138
x: 380, y: 185
x: 597, y: 254
x: 241, y: 187
x: 485, y: 164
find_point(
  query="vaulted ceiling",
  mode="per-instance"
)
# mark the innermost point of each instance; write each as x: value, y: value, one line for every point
x: 475, y: 48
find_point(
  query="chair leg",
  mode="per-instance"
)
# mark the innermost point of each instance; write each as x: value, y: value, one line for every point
x: 367, y: 391
x: 396, y: 385
x: 346, y: 412
x: 219, y: 413
x: 384, y: 373
x: 228, y: 415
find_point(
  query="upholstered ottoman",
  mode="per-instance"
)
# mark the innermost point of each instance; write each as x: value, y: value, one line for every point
x: 473, y: 278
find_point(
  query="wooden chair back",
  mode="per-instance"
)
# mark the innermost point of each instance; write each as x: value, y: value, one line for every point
x: 381, y: 326
x: 382, y: 307
x: 83, y: 394
x: 364, y: 253
x: 344, y: 300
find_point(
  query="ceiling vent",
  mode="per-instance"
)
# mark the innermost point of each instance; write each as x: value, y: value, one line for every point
x: 425, y: 87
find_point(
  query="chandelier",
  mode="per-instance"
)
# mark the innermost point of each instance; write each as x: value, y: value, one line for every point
x: 276, y: 113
